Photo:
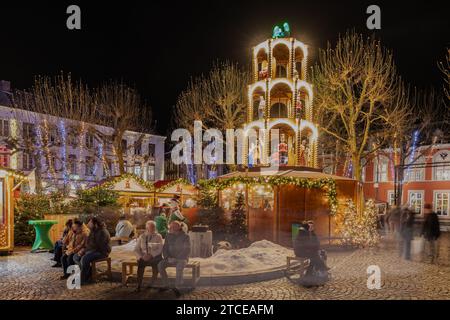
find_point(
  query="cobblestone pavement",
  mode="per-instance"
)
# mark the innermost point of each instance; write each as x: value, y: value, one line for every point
x: 29, y: 276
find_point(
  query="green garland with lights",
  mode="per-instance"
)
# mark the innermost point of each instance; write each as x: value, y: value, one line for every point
x: 111, y: 182
x: 171, y: 184
x: 327, y: 184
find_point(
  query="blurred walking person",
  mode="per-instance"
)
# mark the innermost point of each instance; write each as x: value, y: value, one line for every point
x: 407, y: 232
x: 431, y: 231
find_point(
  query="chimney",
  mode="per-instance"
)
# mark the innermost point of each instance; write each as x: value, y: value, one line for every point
x: 5, y: 86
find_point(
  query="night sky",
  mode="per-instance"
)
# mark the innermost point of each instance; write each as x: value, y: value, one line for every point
x: 157, y: 46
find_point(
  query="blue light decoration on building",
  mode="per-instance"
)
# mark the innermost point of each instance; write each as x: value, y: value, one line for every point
x: 413, y: 151
x: 62, y: 130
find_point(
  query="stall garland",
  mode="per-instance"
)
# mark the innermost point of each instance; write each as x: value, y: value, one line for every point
x: 327, y: 184
x: 110, y: 183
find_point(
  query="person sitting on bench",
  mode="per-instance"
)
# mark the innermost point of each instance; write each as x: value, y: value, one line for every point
x: 76, y: 243
x: 176, y: 250
x: 98, y: 246
x: 148, y: 252
x: 307, y: 245
x: 61, y: 244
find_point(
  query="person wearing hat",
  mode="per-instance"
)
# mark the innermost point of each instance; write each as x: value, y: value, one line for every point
x: 176, y: 214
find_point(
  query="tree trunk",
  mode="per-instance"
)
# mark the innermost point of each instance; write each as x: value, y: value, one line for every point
x: 356, y: 165
x: 37, y: 172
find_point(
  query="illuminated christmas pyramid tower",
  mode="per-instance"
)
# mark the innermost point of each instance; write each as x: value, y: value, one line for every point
x: 281, y: 98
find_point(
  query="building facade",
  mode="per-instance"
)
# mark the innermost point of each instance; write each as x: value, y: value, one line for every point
x: 70, y: 153
x: 427, y: 180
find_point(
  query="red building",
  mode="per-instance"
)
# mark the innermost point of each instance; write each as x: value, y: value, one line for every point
x: 427, y: 181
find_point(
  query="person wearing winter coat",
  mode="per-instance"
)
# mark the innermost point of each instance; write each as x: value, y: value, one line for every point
x: 98, y: 246
x: 407, y: 232
x: 60, y: 244
x: 148, y: 252
x: 307, y: 245
x: 76, y: 242
x: 176, y: 250
x: 431, y: 231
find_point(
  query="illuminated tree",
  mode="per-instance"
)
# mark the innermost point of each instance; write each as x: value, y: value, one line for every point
x: 218, y: 99
x: 359, y: 229
x: 121, y: 108
x: 37, y: 107
x: 357, y: 96
x: 445, y: 68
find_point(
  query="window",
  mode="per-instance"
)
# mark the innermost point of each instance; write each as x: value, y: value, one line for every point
x: 150, y: 173
x: 391, y: 198
x: 124, y: 146
x: 441, y: 202
x: 137, y: 169
x: 73, y: 164
x: 281, y: 71
x: 138, y: 148
x: 278, y: 110
x: 27, y: 162
x: 4, y: 156
x: 151, y: 150
x: 28, y: 130
x: 89, y: 167
x: 89, y: 140
x: 442, y: 170
x: 72, y: 139
x: 416, y: 201
x: 413, y: 173
x: 107, y: 168
x: 53, y: 137
x: 381, y: 169
x: 4, y: 128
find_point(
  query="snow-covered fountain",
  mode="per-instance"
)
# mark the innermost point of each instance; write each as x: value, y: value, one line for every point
x: 262, y: 260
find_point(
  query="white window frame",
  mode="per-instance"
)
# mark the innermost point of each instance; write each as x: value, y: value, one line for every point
x: 437, y: 158
x: 422, y: 192
x: 4, y: 128
x: 435, y: 192
x: 414, y: 170
x: 389, y: 193
x: 377, y: 173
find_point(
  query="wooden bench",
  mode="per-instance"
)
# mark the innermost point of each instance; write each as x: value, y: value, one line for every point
x: 302, y: 262
x: 121, y: 240
x: 128, y: 271
x: 96, y: 274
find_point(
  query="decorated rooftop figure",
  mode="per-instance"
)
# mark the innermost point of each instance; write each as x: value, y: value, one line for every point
x: 281, y: 98
x: 281, y: 31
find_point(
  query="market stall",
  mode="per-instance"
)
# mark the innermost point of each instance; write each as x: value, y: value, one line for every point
x: 277, y: 201
x: 10, y: 180
x: 165, y: 190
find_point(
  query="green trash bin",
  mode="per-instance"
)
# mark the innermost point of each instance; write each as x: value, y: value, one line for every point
x: 295, y: 227
x: 42, y: 240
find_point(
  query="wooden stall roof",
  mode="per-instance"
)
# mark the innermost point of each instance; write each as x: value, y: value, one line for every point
x: 127, y: 184
x: 174, y: 187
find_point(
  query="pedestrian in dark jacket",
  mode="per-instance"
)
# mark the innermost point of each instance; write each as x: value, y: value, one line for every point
x: 307, y: 245
x: 407, y: 231
x: 431, y: 231
x: 176, y: 250
x: 98, y: 246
